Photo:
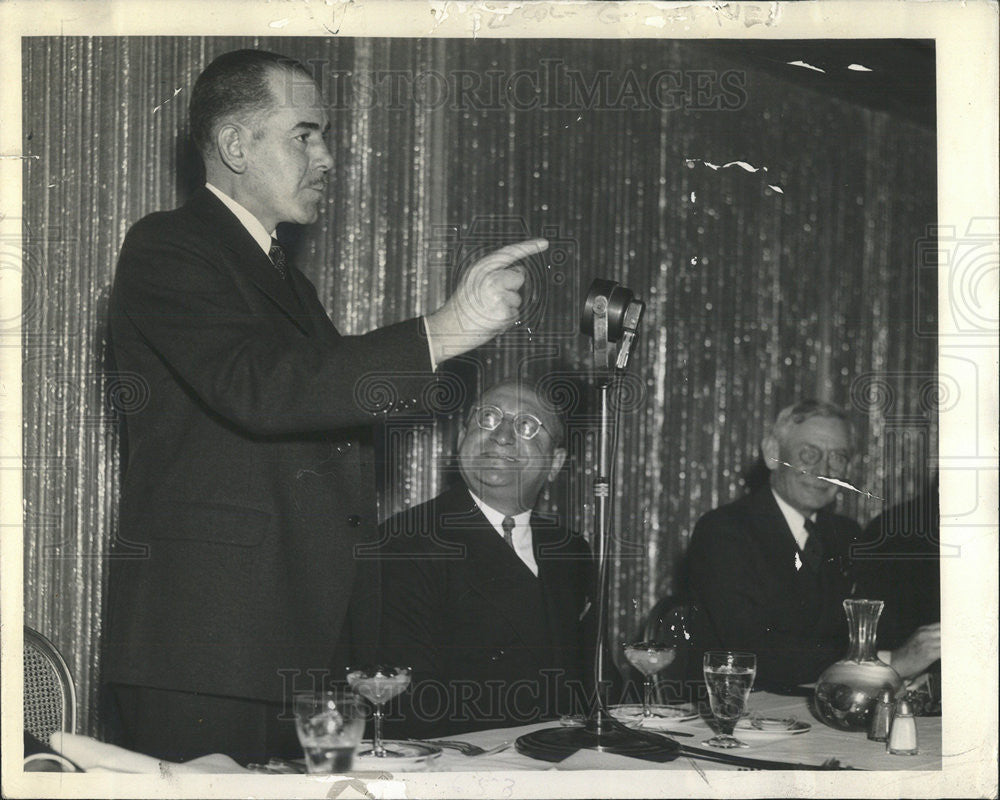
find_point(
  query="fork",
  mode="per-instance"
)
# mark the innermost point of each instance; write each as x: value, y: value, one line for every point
x: 578, y: 720
x: 465, y: 748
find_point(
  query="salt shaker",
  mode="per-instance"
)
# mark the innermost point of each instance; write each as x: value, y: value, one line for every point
x: 903, y: 736
x: 881, y: 720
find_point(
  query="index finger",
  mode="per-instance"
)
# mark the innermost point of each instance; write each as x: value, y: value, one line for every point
x: 511, y: 254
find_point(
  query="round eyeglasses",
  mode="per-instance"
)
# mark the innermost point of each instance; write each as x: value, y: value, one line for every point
x: 489, y: 418
x: 810, y: 456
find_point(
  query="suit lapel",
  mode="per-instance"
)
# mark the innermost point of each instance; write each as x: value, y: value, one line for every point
x: 313, y: 316
x: 252, y: 263
x: 772, y: 530
x: 493, y: 569
x: 829, y: 587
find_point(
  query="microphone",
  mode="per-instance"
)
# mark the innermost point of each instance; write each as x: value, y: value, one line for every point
x: 611, y: 313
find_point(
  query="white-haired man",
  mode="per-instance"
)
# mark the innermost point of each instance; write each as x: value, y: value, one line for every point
x: 769, y: 572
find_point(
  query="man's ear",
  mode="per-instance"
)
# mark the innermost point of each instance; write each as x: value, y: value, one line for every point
x: 230, y: 142
x: 558, y: 459
x: 770, y: 449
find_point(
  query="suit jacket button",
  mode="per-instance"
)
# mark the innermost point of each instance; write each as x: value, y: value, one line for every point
x: 497, y: 654
x: 354, y: 520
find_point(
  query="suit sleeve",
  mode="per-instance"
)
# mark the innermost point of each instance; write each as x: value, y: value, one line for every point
x: 725, y: 579
x: 182, y: 302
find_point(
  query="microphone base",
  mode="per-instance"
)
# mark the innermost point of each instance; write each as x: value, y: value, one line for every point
x: 556, y: 744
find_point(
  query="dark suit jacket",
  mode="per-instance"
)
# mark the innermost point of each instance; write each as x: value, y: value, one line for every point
x: 489, y: 643
x: 749, y: 596
x: 900, y: 563
x: 248, y: 477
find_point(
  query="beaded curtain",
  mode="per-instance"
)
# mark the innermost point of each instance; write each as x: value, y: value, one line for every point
x: 769, y: 229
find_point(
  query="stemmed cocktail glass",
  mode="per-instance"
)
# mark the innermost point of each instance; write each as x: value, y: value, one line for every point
x: 378, y: 685
x: 649, y: 658
x: 729, y: 676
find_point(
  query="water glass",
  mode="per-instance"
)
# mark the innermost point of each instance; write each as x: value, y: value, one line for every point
x: 729, y: 676
x: 330, y: 726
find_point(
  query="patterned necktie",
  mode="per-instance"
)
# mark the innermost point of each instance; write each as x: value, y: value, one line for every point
x: 508, y: 531
x: 277, y: 256
x: 812, y: 553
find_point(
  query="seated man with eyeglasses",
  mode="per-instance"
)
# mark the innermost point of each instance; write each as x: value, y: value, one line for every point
x: 769, y: 572
x: 486, y: 600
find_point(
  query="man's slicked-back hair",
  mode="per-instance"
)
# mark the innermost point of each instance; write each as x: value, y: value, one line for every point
x: 234, y: 84
x: 799, y: 412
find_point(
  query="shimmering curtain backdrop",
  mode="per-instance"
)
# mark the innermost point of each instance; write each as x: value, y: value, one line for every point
x: 774, y: 232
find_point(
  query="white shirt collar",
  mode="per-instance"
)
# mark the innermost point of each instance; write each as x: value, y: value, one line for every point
x: 520, y: 535
x: 250, y: 222
x: 495, y: 518
x: 795, y: 519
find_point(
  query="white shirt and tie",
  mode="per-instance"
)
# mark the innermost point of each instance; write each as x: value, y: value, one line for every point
x: 520, y: 534
x: 797, y: 524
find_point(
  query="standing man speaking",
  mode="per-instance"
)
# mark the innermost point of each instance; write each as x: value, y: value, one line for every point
x: 248, y: 475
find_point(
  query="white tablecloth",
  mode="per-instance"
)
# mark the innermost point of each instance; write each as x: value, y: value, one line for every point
x: 814, y: 746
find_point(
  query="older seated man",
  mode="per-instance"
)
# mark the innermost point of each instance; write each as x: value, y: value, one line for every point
x: 487, y: 600
x: 769, y: 572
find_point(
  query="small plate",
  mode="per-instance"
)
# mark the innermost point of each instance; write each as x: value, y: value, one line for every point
x: 769, y: 727
x: 415, y: 756
x: 663, y: 716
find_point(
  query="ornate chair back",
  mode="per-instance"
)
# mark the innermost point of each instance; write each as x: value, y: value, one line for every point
x: 49, y: 695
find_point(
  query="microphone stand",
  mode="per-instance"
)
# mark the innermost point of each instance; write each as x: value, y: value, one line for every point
x: 601, y: 731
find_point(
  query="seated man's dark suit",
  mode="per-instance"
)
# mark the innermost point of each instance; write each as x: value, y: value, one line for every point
x: 750, y: 596
x: 490, y: 644
x: 248, y: 478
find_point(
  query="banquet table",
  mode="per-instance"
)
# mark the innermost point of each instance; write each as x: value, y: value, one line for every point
x: 811, y: 748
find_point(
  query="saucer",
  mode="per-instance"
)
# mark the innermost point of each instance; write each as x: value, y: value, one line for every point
x: 769, y: 727
x: 414, y: 756
x: 664, y: 716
